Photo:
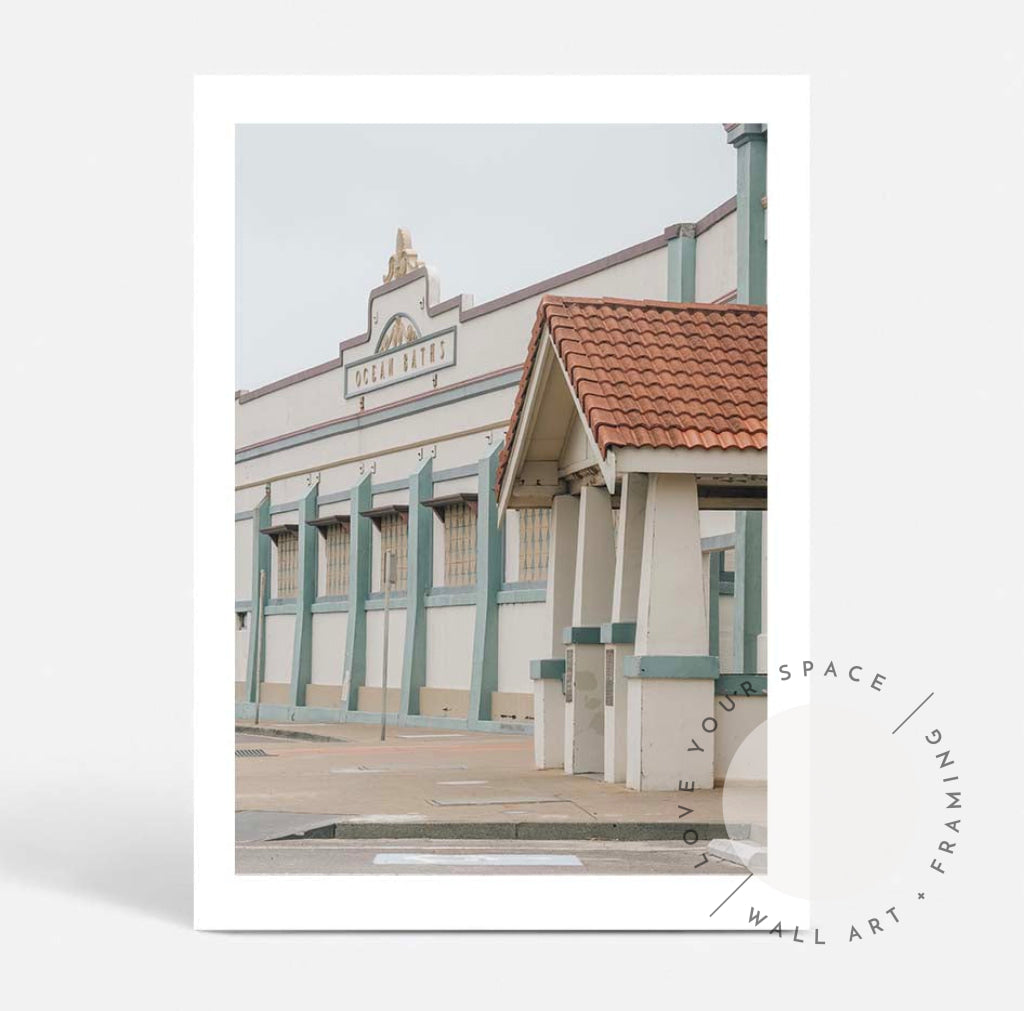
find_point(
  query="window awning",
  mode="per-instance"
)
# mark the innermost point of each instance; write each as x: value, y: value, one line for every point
x: 284, y: 528
x: 376, y: 515
x: 439, y: 502
x: 323, y: 523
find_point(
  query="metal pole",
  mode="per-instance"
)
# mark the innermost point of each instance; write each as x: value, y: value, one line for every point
x: 389, y: 578
x: 259, y: 643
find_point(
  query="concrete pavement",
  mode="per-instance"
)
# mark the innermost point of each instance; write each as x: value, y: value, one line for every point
x: 457, y: 776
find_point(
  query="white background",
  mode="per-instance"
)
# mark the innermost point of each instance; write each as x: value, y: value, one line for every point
x: 916, y: 549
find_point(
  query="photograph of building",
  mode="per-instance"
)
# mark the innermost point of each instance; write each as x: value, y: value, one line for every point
x: 573, y: 480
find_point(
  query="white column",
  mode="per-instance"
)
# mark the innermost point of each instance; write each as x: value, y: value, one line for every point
x: 670, y: 733
x: 618, y: 642
x: 548, y: 693
x: 591, y: 607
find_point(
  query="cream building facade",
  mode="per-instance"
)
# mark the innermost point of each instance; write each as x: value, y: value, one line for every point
x: 395, y: 444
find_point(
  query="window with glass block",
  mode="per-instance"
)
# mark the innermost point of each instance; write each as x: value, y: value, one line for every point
x: 534, y: 540
x: 459, y: 544
x: 287, y: 563
x: 338, y: 540
x: 394, y: 536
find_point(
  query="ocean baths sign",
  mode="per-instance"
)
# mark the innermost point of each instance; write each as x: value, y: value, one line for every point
x: 403, y: 360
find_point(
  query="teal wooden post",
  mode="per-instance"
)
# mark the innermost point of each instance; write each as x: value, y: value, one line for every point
x: 420, y: 578
x: 260, y: 560
x: 302, y: 649
x: 490, y: 558
x: 751, y: 143
x: 360, y: 549
x: 747, y: 593
x: 682, y: 265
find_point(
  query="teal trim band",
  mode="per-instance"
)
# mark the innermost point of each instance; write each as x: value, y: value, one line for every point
x: 329, y: 605
x: 542, y: 670
x: 360, y: 548
x: 741, y: 684
x: 420, y: 575
x: 751, y: 185
x: 242, y: 605
x: 302, y: 646
x: 746, y: 615
x: 703, y: 668
x: 718, y: 542
x: 516, y: 595
x: 285, y: 507
x: 582, y: 635
x: 682, y: 265
x: 260, y: 560
x: 714, y: 606
x: 338, y: 496
x: 490, y: 566
x: 359, y: 421
x: 618, y: 631
x: 385, y: 486
x: 280, y: 608
x: 454, y: 473
x: 450, y: 598
x: 375, y: 602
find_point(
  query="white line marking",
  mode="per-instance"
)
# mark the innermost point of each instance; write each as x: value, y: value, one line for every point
x: 463, y: 782
x: 479, y: 859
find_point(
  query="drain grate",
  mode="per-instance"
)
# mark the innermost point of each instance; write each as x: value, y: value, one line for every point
x: 251, y: 753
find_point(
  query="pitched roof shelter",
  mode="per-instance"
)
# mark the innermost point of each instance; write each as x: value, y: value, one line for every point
x: 614, y: 385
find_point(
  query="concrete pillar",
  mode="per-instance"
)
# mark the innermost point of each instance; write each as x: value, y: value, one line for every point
x: 584, y: 654
x: 751, y: 143
x: 671, y: 677
x: 618, y: 635
x: 353, y: 674
x: 420, y: 577
x: 748, y: 599
x: 490, y: 564
x: 762, y: 637
x: 682, y: 265
x: 260, y: 560
x: 302, y: 645
x: 547, y: 672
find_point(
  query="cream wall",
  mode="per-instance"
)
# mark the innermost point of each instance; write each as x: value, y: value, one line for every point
x: 716, y: 260
x: 375, y: 647
x: 280, y: 640
x: 733, y: 728
x: 242, y: 648
x: 450, y: 646
x: 329, y: 632
x: 520, y: 630
x: 243, y: 559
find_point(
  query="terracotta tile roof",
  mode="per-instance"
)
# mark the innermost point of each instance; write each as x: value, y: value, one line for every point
x: 658, y: 374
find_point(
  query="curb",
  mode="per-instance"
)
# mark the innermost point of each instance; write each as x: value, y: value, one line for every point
x: 294, y: 735
x: 610, y: 831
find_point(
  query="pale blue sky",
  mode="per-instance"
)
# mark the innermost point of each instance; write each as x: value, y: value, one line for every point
x: 491, y: 208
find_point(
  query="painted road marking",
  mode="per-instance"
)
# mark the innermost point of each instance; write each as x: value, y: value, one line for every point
x: 479, y: 859
x: 463, y: 782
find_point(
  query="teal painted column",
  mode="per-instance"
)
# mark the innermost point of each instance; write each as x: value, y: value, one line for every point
x: 490, y: 557
x: 747, y: 595
x: 714, y: 589
x: 682, y: 265
x: 420, y: 578
x: 260, y: 560
x: 360, y: 550
x: 751, y: 143
x: 302, y: 649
